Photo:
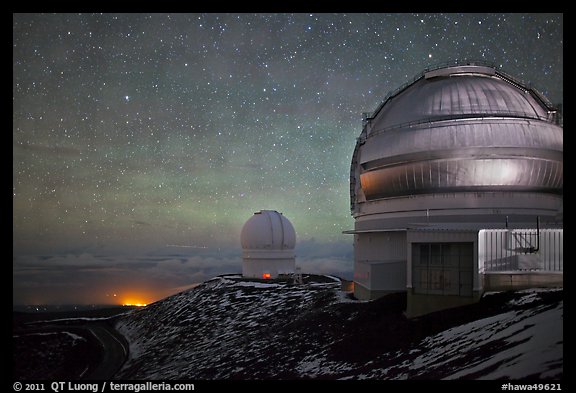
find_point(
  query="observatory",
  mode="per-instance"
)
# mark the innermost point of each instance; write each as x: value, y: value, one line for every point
x: 449, y: 178
x: 268, y: 240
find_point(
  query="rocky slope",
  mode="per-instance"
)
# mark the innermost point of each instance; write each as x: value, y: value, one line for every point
x: 233, y: 328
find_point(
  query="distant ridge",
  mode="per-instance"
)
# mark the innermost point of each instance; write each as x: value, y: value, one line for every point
x: 33, y: 308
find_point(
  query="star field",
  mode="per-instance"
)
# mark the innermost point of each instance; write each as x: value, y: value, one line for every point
x: 136, y: 132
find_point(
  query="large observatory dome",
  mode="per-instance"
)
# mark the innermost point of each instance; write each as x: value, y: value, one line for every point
x: 268, y: 240
x: 461, y: 133
x: 458, y: 150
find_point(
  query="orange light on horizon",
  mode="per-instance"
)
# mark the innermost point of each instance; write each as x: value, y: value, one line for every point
x: 266, y: 276
x: 135, y: 300
x: 134, y: 304
x: 139, y: 297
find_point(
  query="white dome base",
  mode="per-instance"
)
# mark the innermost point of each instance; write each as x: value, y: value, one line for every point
x: 267, y: 268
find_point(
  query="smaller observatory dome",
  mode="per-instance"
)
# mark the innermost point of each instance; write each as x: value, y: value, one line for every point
x: 268, y: 240
x: 268, y: 230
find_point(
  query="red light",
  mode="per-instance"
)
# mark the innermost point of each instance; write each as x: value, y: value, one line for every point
x: 266, y: 276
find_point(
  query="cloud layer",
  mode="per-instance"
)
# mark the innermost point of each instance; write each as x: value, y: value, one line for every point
x: 95, y: 279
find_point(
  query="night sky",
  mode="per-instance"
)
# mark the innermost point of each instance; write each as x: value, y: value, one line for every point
x: 142, y: 143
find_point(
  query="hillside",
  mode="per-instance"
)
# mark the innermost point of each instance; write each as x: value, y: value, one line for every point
x: 232, y: 328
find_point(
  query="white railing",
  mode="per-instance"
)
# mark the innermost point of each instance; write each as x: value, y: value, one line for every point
x: 503, y: 250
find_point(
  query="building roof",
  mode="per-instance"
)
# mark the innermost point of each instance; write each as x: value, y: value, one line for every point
x: 451, y: 226
x: 460, y: 227
x: 359, y: 231
x: 458, y: 92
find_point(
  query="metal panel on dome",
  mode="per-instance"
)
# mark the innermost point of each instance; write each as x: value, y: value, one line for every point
x: 268, y: 229
x: 541, y: 138
x: 445, y: 175
x: 457, y: 96
x: 463, y: 69
x: 462, y: 129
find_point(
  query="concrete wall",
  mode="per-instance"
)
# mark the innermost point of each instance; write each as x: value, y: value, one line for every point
x: 521, y: 280
x: 255, y: 268
x: 382, y: 259
x: 424, y: 304
x: 362, y: 273
x: 380, y: 246
x: 380, y: 262
x: 381, y: 275
x: 363, y: 293
x: 389, y: 276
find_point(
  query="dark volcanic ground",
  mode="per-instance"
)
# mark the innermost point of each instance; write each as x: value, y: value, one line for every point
x: 233, y: 328
x: 58, y: 345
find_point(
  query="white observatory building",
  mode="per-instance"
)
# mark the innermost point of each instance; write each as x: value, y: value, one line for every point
x: 456, y: 187
x: 268, y: 240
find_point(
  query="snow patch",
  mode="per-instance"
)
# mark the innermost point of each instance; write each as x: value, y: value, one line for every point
x: 530, y: 343
x: 314, y: 365
x: 344, y: 297
x: 538, y: 345
x: 74, y: 337
x: 77, y: 319
x: 255, y: 284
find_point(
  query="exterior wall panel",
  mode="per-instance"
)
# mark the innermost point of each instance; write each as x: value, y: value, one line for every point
x: 380, y: 260
x: 502, y: 250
